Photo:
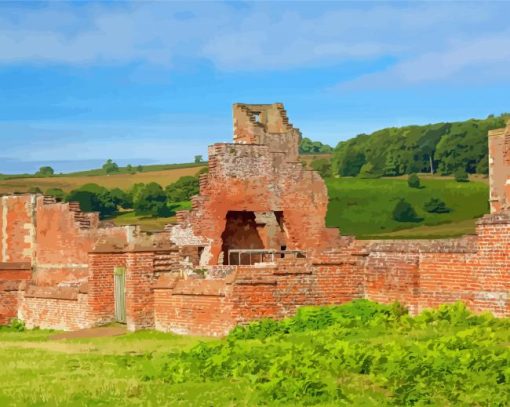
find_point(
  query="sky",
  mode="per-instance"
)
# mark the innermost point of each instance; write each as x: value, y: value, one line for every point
x: 154, y: 82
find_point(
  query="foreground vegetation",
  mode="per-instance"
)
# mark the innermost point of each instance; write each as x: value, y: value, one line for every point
x: 360, y: 353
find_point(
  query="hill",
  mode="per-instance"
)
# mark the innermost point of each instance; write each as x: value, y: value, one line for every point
x: 363, y: 207
x: 440, y: 147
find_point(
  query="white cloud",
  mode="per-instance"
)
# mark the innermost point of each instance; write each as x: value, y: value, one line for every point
x: 428, y: 41
x: 483, y: 60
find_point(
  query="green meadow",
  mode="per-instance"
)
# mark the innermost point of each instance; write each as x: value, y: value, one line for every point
x: 357, y: 354
x: 363, y: 207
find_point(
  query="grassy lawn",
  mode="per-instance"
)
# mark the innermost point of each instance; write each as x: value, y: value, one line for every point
x: 37, y: 371
x: 363, y: 207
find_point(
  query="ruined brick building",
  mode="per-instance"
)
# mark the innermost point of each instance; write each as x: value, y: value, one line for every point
x: 254, y: 245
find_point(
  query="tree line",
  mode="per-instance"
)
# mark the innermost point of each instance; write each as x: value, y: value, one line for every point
x: 149, y: 199
x: 442, y: 148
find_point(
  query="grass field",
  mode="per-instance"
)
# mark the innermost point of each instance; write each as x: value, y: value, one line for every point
x: 123, y: 181
x: 357, y: 354
x: 363, y: 207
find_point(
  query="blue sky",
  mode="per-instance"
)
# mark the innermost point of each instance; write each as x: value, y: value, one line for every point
x: 146, y: 82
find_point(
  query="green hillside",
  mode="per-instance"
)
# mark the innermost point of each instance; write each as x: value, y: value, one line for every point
x: 363, y: 207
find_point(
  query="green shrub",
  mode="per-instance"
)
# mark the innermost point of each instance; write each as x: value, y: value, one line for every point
x: 94, y: 198
x: 404, y: 212
x: 182, y: 189
x: 435, y: 205
x: 151, y: 200
x: 322, y: 166
x: 368, y: 171
x: 461, y: 175
x: 446, y: 356
x: 58, y: 193
x: 413, y: 181
x: 15, y: 325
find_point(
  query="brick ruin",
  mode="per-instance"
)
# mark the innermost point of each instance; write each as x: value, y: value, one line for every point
x: 253, y: 245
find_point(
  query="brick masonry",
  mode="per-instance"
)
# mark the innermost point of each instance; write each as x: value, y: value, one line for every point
x: 57, y: 264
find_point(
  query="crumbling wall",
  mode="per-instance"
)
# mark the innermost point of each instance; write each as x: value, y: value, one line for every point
x: 17, y: 228
x: 252, y: 179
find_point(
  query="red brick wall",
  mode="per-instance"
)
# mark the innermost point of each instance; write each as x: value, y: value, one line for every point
x: 11, y: 275
x: 100, y: 285
x: 8, y: 301
x: 68, y: 314
x: 139, y: 294
x: 193, y: 307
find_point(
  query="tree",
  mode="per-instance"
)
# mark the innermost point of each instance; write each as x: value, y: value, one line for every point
x: 307, y: 146
x: 94, y: 198
x: 322, y: 166
x: 151, y: 201
x: 35, y: 190
x: 404, y: 212
x: 183, y: 189
x: 461, y: 175
x: 45, y: 172
x: 483, y: 166
x: 368, y: 171
x: 57, y: 193
x: 121, y: 198
x: 435, y: 205
x: 198, y: 159
x: 413, y: 181
x: 348, y: 161
x: 139, y: 168
x: 129, y: 169
x: 110, y: 167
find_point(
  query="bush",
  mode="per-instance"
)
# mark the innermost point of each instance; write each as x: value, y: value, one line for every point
x: 94, y: 198
x: 45, y: 172
x: 57, y: 193
x: 322, y: 166
x: 413, y: 181
x: 461, y: 175
x: 151, y: 200
x: 435, y: 205
x: 121, y: 198
x: 110, y: 167
x: 182, y: 189
x: 34, y: 190
x: 15, y: 325
x: 404, y: 212
x: 368, y: 171
x: 359, y: 351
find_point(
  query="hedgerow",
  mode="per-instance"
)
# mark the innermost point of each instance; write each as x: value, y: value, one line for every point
x: 360, y: 351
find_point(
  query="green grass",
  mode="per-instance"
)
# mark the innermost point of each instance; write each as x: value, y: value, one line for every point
x: 360, y: 353
x: 148, y: 223
x: 363, y: 207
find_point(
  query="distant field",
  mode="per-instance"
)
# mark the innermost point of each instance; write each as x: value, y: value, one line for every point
x: 123, y: 181
x: 363, y: 207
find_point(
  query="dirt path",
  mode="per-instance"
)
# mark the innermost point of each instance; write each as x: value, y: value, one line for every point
x: 98, y: 332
